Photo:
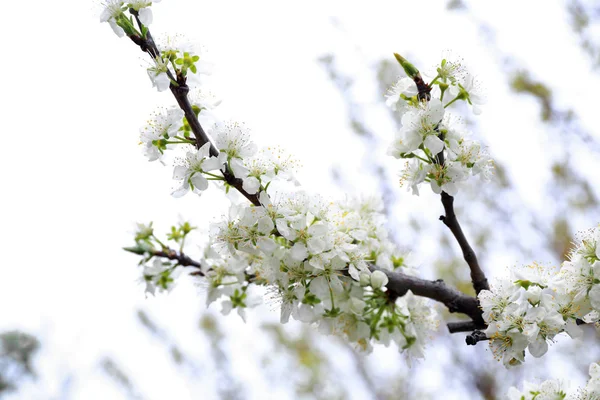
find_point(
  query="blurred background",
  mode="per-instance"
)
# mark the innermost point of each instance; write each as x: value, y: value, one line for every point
x: 308, y: 76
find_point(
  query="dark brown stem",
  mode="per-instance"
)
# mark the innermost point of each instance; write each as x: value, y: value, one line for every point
x: 180, y: 91
x: 462, y: 326
x: 453, y: 299
x: 475, y: 337
x: 478, y: 278
x: 181, y: 259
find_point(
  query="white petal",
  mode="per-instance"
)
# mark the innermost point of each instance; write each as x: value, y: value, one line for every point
x: 203, y: 151
x: 436, y: 111
x: 318, y: 229
x: 378, y: 279
x: 435, y: 187
x: 538, y: 348
x: 320, y: 287
x: 180, y: 172
x: 266, y: 245
x: 211, y: 164
x: 199, y: 181
x: 265, y: 225
x: 434, y: 143
x: 299, y: 252
x: 451, y: 188
x: 316, y: 245
x: 227, y: 307
x: 286, y: 310
x: 595, y: 296
x: 181, y: 191
x: 145, y: 16
x: 239, y: 171
x: 116, y: 28
x: 160, y: 81
x: 251, y: 185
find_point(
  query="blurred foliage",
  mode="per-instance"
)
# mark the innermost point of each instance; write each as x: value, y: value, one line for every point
x: 313, y: 376
x: 229, y: 388
x: 16, y: 358
x: 456, y: 5
x: 112, y: 369
x: 584, y: 17
x: 523, y: 83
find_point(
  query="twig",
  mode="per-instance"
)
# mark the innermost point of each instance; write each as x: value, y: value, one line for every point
x: 453, y: 299
x: 181, y: 259
x: 478, y: 278
x: 462, y: 326
x: 180, y: 91
x: 475, y: 337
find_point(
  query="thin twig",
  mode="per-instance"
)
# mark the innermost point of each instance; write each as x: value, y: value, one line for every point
x: 478, y: 277
x: 180, y: 91
x: 181, y: 259
x: 475, y: 337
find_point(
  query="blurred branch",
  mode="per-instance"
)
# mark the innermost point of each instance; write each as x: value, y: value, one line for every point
x: 111, y: 368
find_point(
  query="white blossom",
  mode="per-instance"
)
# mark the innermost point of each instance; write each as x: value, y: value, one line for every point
x: 419, y: 127
x: 472, y: 91
x: 113, y: 9
x: 162, y: 126
x: 143, y: 8
x: 191, y: 174
x: 158, y: 74
x: 394, y: 96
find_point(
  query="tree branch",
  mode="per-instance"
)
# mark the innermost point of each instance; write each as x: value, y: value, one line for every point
x: 475, y: 337
x: 437, y: 290
x: 181, y: 259
x: 399, y: 284
x: 180, y: 90
x: 462, y: 326
x: 478, y: 277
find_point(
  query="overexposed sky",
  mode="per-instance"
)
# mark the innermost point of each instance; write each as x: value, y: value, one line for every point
x: 74, y: 180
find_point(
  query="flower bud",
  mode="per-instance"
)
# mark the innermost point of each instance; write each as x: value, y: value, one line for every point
x: 410, y: 69
x: 378, y: 280
x: 365, y: 279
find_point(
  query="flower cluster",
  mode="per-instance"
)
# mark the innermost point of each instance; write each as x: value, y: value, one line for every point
x: 163, y: 126
x: 537, y: 303
x: 314, y: 258
x: 435, y: 144
x: 114, y: 14
x: 158, y: 274
x: 556, y: 389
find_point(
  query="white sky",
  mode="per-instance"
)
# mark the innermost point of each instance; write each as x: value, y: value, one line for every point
x: 74, y: 181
